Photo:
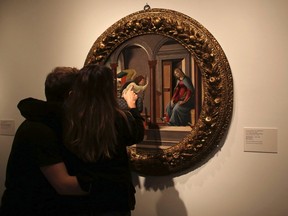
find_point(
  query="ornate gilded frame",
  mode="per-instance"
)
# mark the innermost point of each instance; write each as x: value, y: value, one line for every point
x: 208, y: 134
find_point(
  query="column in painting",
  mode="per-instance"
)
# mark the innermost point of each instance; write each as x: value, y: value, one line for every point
x: 152, y: 68
x: 114, y: 69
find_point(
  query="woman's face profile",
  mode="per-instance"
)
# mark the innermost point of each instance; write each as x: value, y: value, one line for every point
x: 178, y: 73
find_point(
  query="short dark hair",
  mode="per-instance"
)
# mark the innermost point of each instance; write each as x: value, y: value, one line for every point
x: 59, y: 82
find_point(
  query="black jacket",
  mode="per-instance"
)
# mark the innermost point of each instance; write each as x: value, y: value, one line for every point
x: 35, y: 144
x: 111, y: 188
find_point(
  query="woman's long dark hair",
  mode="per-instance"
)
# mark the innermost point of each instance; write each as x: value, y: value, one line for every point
x: 89, y: 128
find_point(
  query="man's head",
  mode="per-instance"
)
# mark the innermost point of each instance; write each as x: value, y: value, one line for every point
x: 59, y: 83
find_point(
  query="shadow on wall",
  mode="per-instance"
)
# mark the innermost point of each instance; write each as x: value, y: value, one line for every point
x: 169, y: 203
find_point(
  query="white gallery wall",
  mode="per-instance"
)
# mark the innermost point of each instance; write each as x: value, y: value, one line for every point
x: 37, y: 35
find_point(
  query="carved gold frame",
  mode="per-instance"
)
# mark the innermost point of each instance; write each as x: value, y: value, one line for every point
x: 208, y: 134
